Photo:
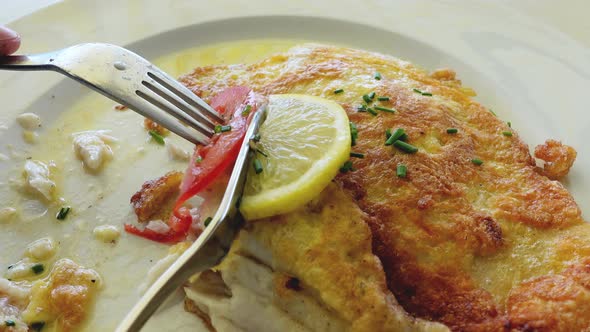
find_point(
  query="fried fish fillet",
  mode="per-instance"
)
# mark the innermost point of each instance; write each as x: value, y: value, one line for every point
x: 475, y: 246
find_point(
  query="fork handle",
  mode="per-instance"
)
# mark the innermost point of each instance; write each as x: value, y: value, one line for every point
x: 34, y: 62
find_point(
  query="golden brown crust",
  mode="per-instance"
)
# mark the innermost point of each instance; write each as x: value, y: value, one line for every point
x: 149, y: 201
x: 559, y: 158
x: 65, y: 295
x: 559, y: 302
x: 452, y: 236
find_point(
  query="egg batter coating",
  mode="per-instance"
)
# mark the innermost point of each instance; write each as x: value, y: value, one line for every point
x: 475, y: 236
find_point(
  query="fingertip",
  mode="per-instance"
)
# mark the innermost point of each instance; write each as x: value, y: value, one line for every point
x: 9, y: 41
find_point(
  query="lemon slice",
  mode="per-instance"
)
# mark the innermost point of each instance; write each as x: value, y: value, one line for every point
x: 303, y: 143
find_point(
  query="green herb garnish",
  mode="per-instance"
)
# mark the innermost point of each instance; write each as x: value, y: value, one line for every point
x: 353, y: 133
x: 422, y: 92
x: 367, y: 99
x: 157, y: 137
x: 405, y: 147
x: 257, y: 166
x: 207, y: 221
x: 477, y: 161
x: 357, y: 155
x: 362, y: 108
x: 383, y: 98
x: 63, y: 213
x: 256, y: 138
x: 246, y: 110
x: 401, y: 170
x: 384, y: 109
x: 9, y: 322
x: 452, y: 130
x: 507, y: 133
x: 397, y: 134
x: 372, y: 95
x: 387, y: 133
x: 38, y: 268
x: 509, y: 124
x: 337, y: 91
x: 347, y: 166
x: 377, y: 76
x: 372, y: 111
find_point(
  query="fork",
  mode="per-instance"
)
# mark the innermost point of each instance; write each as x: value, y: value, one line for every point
x: 131, y: 81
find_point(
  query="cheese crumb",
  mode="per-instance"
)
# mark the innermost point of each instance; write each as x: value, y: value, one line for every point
x: 7, y: 214
x: 30, y: 137
x: 175, y: 152
x: 92, y: 148
x: 29, y: 121
x: 106, y: 233
x: 37, y: 178
x: 41, y: 249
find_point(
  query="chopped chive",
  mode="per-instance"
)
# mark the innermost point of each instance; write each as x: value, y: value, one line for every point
x: 63, y: 213
x: 384, y: 109
x: 357, y: 155
x: 401, y: 170
x: 372, y: 111
x: 337, y: 91
x: 37, y: 326
x: 507, y: 133
x: 347, y: 166
x: 256, y: 138
x: 404, y: 137
x: 452, y: 130
x: 221, y: 129
x: 257, y: 166
x: 198, y: 159
x: 262, y: 153
x: 422, y: 92
x: 377, y: 75
x: 157, y: 137
x: 246, y: 110
x: 387, y: 133
x: 38, y: 268
x: 372, y: 95
x: 477, y: 161
x: 494, y: 113
x: 9, y: 322
x: 366, y: 98
x: 383, y: 98
x: 405, y: 147
x: 509, y: 124
x: 362, y: 108
x: 353, y: 133
x: 399, y: 132
x: 207, y: 221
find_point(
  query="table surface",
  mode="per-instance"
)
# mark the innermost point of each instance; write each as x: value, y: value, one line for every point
x: 569, y: 16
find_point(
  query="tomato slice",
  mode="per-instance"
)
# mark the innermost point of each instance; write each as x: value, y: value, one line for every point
x: 208, y: 161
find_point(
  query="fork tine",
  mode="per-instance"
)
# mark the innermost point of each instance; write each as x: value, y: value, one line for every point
x: 148, y: 109
x: 158, y: 111
x: 184, y: 93
x: 176, y: 100
x: 171, y: 105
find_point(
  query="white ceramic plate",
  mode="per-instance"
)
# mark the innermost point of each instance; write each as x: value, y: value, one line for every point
x: 525, y: 70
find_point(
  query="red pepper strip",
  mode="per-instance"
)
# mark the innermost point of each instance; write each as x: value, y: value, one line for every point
x: 179, y: 224
x: 208, y: 162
